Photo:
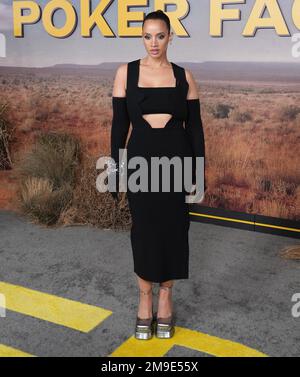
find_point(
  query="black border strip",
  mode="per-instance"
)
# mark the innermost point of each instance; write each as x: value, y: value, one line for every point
x: 242, y: 220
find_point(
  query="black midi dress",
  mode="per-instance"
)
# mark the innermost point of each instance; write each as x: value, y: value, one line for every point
x: 160, y: 219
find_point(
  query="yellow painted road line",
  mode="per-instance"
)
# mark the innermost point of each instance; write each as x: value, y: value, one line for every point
x: 277, y: 227
x: 6, y: 351
x: 195, y: 340
x: 245, y: 222
x: 55, y: 309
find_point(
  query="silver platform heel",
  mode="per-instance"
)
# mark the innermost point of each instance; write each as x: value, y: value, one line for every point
x: 145, y: 327
x: 165, y: 325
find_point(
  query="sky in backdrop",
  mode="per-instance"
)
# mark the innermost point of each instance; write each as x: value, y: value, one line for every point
x: 38, y: 49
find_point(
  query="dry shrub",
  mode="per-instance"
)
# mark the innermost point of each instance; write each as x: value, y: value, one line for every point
x: 90, y: 206
x: 55, y: 157
x: 289, y: 112
x: 242, y: 117
x: 41, y: 202
x: 6, y: 134
x: 32, y: 187
x: 221, y: 110
x: 291, y: 252
x: 47, y: 177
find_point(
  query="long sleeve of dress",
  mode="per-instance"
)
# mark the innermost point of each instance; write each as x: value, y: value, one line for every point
x: 119, y: 131
x: 120, y: 126
x: 194, y: 130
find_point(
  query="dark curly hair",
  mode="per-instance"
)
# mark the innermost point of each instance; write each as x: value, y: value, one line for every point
x: 158, y: 15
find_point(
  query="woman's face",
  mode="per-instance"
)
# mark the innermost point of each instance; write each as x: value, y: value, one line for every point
x: 156, y: 37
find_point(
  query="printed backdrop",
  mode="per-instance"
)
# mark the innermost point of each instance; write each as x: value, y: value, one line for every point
x: 58, y: 60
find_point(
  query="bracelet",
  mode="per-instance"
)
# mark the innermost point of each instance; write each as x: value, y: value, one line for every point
x: 112, y: 167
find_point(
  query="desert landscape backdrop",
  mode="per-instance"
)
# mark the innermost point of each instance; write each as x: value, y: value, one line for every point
x: 250, y: 114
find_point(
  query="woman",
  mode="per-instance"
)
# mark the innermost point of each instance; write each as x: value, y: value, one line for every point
x: 156, y: 96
